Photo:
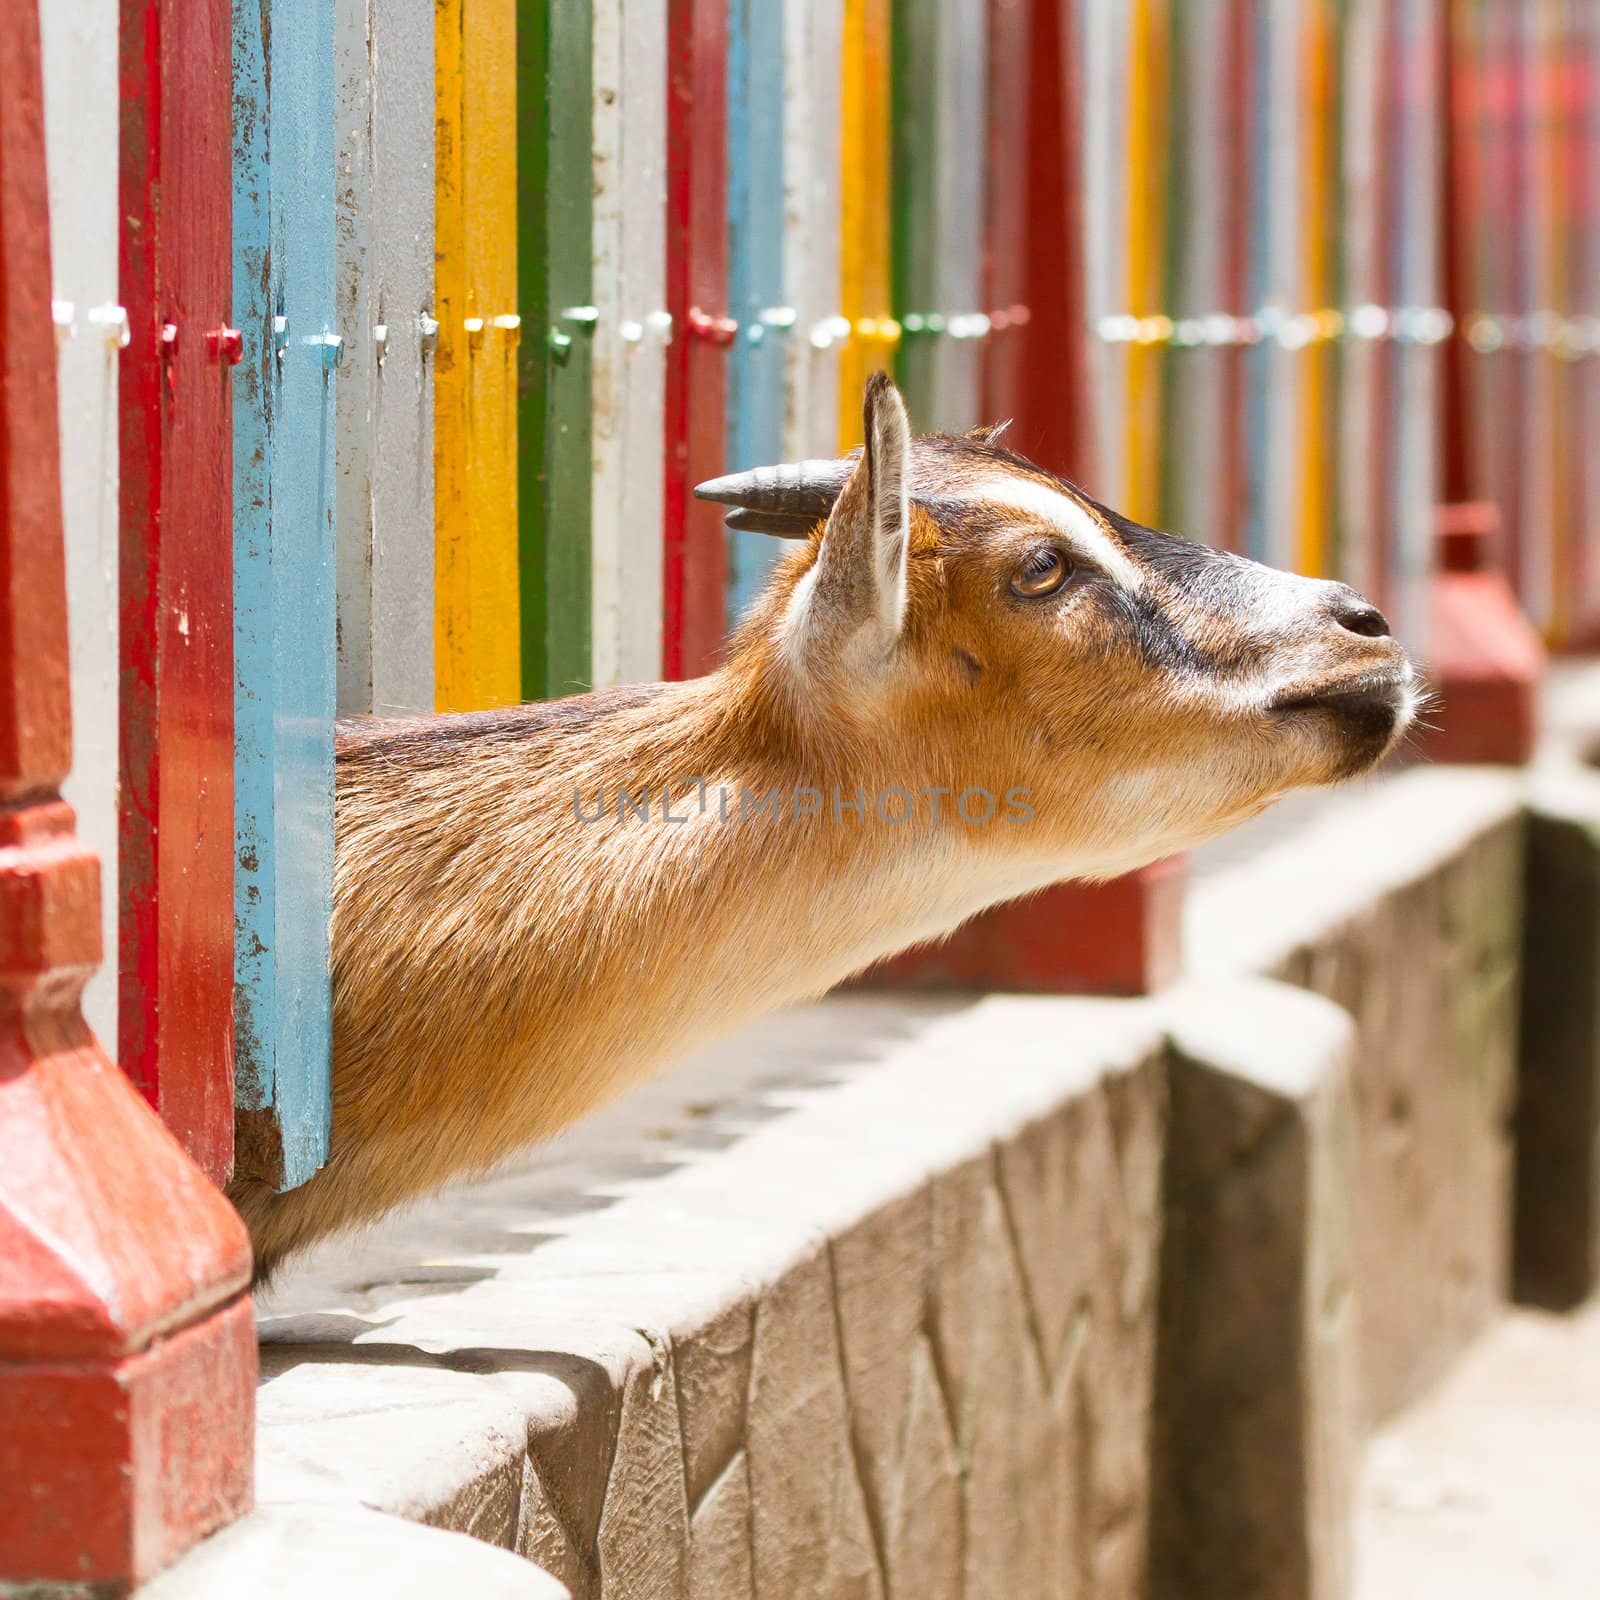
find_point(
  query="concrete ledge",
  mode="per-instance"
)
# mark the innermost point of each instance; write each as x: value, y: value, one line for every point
x: 865, y: 1302
x: 1256, y: 1444
x: 1403, y: 906
x: 336, y: 1552
x: 884, y: 1326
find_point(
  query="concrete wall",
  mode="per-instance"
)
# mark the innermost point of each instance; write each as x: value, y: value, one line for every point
x: 1404, y: 907
x: 928, y: 1297
x: 896, y: 1337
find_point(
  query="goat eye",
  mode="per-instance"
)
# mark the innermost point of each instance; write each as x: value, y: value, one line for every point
x: 1041, y: 574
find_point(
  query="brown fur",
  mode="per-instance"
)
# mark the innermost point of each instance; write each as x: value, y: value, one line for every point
x: 500, y: 966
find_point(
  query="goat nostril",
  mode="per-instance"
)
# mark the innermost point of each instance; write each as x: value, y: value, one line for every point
x: 1356, y: 615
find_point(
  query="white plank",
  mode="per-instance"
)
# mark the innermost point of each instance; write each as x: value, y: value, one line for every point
x: 1416, y: 488
x: 962, y: 152
x: 1276, y: 366
x: 1104, y: 82
x: 385, y: 162
x: 81, y: 134
x: 642, y: 306
x: 1199, y: 63
x: 610, y: 369
x: 811, y: 133
x: 356, y: 389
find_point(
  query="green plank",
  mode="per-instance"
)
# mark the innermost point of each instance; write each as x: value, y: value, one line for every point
x: 555, y: 294
x: 914, y: 273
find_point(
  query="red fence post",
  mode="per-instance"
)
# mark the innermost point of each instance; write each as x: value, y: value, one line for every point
x: 127, y: 1352
x: 175, y: 1000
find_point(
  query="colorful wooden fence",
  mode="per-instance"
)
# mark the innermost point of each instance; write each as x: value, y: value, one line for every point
x: 413, y: 376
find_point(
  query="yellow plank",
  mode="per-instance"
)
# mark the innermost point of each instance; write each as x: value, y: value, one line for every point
x: 1317, y: 288
x: 477, y: 660
x: 450, y: 614
x: 864, y: 285
x: 1147, y: 199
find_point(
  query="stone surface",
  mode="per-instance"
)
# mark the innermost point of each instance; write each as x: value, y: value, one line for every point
x: 1487, y: 1489
x: 1404, y: 906
x: 721, y: 1550
x: 338, y: 1552
x: 861, y: 1306
x: 1256, y: 1442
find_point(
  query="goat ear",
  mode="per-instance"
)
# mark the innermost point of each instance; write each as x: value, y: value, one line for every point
x: 845, y: 618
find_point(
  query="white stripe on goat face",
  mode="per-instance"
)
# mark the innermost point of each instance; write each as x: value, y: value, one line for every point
x: 1076, y: 524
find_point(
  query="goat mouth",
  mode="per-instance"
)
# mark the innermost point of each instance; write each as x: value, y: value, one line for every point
x: 1351, y: 696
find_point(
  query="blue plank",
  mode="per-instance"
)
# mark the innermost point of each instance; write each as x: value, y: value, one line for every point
x: 755, y: 267
x: 284, y: 578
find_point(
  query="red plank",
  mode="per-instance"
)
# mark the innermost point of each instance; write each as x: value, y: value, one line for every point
x: 127, y: 1352
x: 695, y: 561
x: 1012, y: 129
x: 1036, y: 357
x: 176, y: 890
x: 1119, y: 938
x: 1459, y: 228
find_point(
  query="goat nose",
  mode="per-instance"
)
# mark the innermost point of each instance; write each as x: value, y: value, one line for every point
x: 1357, y: 615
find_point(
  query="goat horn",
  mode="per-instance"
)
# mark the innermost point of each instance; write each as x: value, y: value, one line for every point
x: 795, y: 489
x: 777, y: 523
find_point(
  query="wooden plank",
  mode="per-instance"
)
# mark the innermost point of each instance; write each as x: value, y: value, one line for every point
x: 695, y: 561
x: 1013, y: 122
x: 1237, y: 92
x: 1194, y: 428
x: 385, y: 186
x: 756, y: 194
x: 354, y: 89
x: 1056, y: 394
x: 866, y: 294
x: 555, y: 239
x: 1105, y: 170
x: 939, y: 87
x: 452, y: 660
x: 490, y: 196
x: 113, y: 1240
x: 79, y: 46
x: 644, y: 299
x: 963, y: 82
x: 1538, y: 424
x: 1584, y: 85
x: 1318, y: 180
x: 1416, y: 353
x: 175, y: 845
x: 284, y: 590
x: 610, y: 554
x: 1359, y: 216
x: 1146, y: 154
x: 1274, y: 361
x: 812, y: 174
x: 917, y: 114
x: 1561, y: 61
x: 478, y: 619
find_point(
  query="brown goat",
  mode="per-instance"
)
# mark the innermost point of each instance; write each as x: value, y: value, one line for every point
x: 970, y: 680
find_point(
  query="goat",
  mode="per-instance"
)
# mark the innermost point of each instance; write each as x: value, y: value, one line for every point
x: 535, y: 907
